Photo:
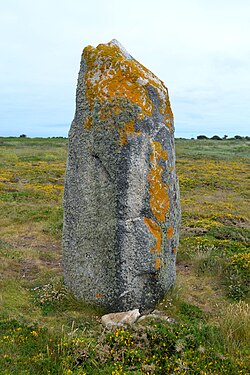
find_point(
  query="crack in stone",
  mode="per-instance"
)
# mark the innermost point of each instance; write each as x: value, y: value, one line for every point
x: 100, y: 163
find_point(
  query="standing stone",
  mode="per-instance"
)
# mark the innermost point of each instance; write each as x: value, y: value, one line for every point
x: 121, y: 199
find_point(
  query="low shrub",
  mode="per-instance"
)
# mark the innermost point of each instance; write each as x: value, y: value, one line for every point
x: 158, y: 348
x: 202, y: 137
x: 216, y: 138
x: 234, y: 326
x: 236, y: 276
x: 49, y: 297
x: 161, y: 348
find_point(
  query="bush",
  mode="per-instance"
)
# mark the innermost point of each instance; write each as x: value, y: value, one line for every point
x: 237, y: 273
x: 216, y: 138
x: 202, y: 137
x: 161, y: 348
x: 190, y: 312
x: 234, y: 325
x: 49, y: 297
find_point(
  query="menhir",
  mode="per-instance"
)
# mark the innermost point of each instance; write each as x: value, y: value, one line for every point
x: 121, y: 201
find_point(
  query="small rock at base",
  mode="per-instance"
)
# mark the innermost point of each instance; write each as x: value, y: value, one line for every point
x: 120, y: 319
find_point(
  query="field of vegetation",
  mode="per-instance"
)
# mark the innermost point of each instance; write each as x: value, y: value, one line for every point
x: 45, y: 330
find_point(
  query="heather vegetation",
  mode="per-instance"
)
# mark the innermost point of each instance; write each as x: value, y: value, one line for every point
x: 45, y: 330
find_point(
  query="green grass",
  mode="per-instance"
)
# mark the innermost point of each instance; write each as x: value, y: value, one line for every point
x: 201, y: 149
x: 45, y: 330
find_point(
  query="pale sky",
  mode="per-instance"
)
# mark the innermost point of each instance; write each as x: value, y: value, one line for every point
x: 199, y: 48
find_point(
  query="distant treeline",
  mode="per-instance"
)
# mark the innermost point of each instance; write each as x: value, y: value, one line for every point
x: 218, y: 138
x: 214, y: 137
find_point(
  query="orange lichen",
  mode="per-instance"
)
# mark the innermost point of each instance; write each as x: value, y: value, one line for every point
x: 110, y: 74
x: 170, y: 232
x: 158, y: 196
x: 174, y: 251
x: 156, y: 232
x: 88, y: 122
x: 164, y: 155
x: 98, y: 295
x: 128, y: 129
x: 157, y: 263
x: 159, y: 199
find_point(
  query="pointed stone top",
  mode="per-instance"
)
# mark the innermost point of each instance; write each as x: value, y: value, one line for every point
x: 122, y: 49
x: 112, y: 74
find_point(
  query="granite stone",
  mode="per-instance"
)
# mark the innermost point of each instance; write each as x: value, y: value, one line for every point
x: 121, y: 199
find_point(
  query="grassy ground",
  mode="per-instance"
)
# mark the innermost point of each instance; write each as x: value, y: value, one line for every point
x: 44, y: 330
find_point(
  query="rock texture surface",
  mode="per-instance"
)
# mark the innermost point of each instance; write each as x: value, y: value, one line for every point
x: 121, y: 199
x: 120, y: 318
